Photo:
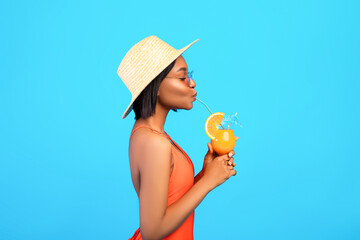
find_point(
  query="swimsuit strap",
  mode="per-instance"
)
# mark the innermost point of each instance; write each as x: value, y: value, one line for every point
x: 176, y: 145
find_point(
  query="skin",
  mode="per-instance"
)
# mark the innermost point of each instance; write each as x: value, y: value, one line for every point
x: 151, y: 163
x: 173, y: 93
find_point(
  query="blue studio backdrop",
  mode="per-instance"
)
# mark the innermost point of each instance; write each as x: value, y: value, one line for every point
x: 290, y: 69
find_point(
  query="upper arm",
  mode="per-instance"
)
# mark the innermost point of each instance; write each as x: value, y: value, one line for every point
x: 154, y: 165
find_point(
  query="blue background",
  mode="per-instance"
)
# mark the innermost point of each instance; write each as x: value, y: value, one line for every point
x: 291, y: 70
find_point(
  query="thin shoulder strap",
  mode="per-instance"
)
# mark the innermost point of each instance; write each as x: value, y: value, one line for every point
x: 146, y: 127
x: 181, y: 150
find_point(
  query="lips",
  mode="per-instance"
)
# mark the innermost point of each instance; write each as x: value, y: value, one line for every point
x: 195, y: 95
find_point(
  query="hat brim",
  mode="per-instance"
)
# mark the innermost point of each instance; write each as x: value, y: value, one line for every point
x: 168, y: 61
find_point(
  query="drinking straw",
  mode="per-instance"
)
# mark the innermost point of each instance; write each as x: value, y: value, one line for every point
x: 204, y: 104
x: 230, y: 124
x: 208, y: 109
x: 237, y: 119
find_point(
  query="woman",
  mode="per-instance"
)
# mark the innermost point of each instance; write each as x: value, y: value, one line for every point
x: 162, y: 173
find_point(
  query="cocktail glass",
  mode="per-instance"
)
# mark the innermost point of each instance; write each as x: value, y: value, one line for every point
x: 224, y: 141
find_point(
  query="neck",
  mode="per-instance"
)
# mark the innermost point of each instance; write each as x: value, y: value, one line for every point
x: 157, y: 120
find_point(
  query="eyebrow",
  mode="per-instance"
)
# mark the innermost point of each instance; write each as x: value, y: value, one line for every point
x: 181, y: 69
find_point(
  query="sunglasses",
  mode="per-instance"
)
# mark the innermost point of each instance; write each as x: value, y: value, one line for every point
x: 188, y: 78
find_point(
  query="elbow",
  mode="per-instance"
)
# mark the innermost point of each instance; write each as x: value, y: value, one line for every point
x: 148, y: 234
x: 152, y: 228
x: 150, y: 237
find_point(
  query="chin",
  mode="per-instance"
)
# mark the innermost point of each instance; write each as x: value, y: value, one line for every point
x: 186, y: 106
x: 189, y: 107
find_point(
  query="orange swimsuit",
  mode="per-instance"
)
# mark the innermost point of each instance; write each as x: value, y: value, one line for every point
x: 181, y: 180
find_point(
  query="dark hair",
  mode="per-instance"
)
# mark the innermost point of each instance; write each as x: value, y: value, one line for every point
x: 144, y: 105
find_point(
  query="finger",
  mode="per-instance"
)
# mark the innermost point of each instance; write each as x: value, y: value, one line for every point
x: 230, y: 154
x: 211, y: 150
x: 225, y: 157
x: 230, y: 161
x: 236, y: 138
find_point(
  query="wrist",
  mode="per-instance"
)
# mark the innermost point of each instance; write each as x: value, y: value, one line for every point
x: 205, y: 183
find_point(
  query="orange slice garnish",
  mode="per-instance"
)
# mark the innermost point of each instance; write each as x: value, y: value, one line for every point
x: 212, y: 123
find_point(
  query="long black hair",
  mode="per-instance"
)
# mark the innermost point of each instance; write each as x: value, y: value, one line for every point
x: 144, y: 105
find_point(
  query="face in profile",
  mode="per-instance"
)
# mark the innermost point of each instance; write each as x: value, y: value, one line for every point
x: 175, y: 92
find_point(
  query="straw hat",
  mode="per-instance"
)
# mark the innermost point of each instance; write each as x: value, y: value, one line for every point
x: 143, y: 62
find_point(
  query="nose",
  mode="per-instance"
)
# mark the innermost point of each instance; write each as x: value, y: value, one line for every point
x: 192, y: 83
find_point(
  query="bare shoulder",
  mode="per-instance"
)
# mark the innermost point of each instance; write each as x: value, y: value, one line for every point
x: 146, y: 138
x: 146, y: 145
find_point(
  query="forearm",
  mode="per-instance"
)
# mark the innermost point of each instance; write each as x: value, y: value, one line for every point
x: 179, y: 211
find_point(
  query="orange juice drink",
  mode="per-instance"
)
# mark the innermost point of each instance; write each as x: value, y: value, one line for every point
x: 224, y: 141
